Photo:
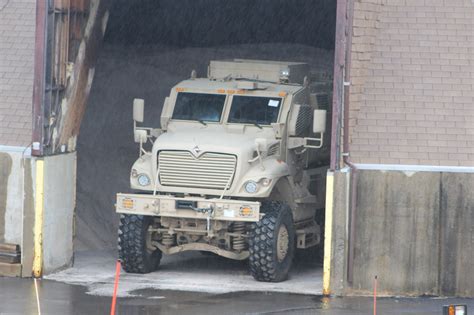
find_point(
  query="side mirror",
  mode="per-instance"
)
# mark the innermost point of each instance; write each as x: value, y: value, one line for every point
x: 319, y: 121
x: 138, y: 109
x: 140, y: 136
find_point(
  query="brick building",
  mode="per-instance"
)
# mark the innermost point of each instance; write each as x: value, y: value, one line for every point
x: 412, y: 81
x: 17, y: 43
x: 408, y: 72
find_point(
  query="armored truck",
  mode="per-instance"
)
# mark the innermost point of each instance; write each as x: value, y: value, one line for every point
x: 237, y: 168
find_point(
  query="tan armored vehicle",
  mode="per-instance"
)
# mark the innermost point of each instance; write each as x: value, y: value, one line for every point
x: 237, y: 169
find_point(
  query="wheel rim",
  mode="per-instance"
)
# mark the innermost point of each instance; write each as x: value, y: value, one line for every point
x: 283, y: 242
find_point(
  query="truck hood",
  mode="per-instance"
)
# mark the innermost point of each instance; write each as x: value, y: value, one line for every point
x: 211, y: 140
x: 214, y: 140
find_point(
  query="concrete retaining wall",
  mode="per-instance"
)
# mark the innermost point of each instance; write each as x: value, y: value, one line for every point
x: 11, y: 196
x: 17, y: 211
x: 457, y: 234
x: 16, y: 202
x: 59, y: 204
x: 414, y: 230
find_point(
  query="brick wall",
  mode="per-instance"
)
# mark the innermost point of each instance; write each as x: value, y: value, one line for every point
x: 412, y: 74
x: 17, y: 39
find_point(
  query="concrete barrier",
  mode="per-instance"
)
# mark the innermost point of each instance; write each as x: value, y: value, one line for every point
x: 18, y: 200
x: 59, y: 205
x: 456, y: 269
x: 414, y: 230
x: 16, y: 206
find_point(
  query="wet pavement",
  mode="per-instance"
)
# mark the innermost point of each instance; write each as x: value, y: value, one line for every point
x: 188, y: 271
x: 17, y: 296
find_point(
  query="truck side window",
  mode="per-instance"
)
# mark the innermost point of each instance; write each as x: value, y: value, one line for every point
x: 199, y: 106
x: 254, y: 109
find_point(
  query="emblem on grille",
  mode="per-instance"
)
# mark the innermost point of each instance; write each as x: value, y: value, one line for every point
x: 196, y: 151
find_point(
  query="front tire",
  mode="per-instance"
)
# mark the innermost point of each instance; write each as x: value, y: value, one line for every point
x: 134, y: 248
x: 272, y: 243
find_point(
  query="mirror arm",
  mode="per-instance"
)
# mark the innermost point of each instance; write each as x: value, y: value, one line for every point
x: 141, y: 149
x: 319, y: 146
x: 258, y: 157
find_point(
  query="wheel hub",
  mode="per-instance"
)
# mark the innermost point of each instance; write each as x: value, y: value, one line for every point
x: 282, y: 243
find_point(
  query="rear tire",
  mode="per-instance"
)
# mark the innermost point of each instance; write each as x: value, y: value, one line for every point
x: 134, y: 248
x: 272, y: 243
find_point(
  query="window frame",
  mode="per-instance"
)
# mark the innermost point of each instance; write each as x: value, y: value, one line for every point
x: 223, y: 112
x: 231, y: 100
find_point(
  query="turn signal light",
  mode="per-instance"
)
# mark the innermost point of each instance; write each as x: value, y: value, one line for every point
x: 455, y: 310
x: 246, y: 212
x: 127, y: 203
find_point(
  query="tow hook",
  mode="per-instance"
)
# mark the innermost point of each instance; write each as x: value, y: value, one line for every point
x: 209, y: 211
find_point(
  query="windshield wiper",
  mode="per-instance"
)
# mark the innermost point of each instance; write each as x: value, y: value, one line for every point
x: 257, y: 125
x: 202, y: 122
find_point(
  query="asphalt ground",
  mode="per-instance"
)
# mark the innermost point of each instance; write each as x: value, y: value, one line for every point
x: 17, y: 296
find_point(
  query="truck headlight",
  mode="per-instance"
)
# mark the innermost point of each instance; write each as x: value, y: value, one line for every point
x: 143, y: 180
x: 251, y: 187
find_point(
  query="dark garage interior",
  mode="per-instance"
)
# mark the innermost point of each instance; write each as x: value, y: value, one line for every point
x: 151, y: 45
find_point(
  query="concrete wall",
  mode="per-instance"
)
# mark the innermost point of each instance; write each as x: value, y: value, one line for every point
x: 412, y: 79
x: 17, y: 207
x: 16, y: 202
x: 11, y: 196
x: 397, y: 232
x: 59, y: 204
x: 457, y: 234
x: 338, y: 235
x: 414, y: 230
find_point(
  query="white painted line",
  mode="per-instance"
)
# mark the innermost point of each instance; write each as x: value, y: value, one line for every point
x: 37, y: 297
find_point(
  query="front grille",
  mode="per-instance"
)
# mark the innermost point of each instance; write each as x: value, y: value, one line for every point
x: 182, y: 169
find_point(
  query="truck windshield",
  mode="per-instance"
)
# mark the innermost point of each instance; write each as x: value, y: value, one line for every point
x: 254, y: 110
x: 199, y: 106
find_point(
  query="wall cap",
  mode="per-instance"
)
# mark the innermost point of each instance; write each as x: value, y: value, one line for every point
x: 416, y: 168
x: 25, y: 150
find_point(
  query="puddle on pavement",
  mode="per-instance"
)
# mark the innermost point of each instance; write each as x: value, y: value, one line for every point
x: 18, y: 297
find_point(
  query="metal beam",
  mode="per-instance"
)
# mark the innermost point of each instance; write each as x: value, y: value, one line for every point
x: 39, y: 78
x: 77, y: 93
x: 338, y: 85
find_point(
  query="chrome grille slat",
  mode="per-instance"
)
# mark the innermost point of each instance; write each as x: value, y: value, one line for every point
x: 209, y: 171
x: 189, y: 163
x: 198, y: 171
x: 184, y: 177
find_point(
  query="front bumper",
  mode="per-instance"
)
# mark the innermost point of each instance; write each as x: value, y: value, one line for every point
x: 174, y: 207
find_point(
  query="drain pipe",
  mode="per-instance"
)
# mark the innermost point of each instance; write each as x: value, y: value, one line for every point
x: 346, y: 151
